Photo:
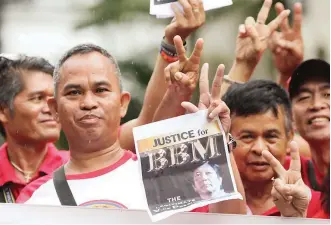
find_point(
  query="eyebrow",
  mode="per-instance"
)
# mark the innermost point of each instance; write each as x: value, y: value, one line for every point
x: 273, y: 131
x: 71, y: 86
x: 101, y: 83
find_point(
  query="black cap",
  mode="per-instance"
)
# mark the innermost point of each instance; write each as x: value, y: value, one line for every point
x: 306, y: 71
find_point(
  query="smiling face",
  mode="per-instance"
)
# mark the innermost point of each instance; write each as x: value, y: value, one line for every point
x: 254, y: 134
x: 32, y: 120
x: 89, y: 102
x: 311, y: 110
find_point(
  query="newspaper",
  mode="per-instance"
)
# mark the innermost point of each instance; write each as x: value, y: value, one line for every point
x: 162, y: 8
x: 184, y: 163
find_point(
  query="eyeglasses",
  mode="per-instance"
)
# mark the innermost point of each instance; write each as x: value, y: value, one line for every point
x: 232, y: 144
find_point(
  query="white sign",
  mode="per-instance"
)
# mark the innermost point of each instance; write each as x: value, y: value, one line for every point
x: 36, y: 214
x: 162, y: 8
x: 185, y: 164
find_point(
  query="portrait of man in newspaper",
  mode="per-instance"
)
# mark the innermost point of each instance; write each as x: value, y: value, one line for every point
x: 207, y: 181
x: 180, y: 175
x: 160, y: 2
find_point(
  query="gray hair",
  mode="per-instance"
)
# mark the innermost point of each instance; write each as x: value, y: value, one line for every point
x: 84, y: 49
x: 12, y: 69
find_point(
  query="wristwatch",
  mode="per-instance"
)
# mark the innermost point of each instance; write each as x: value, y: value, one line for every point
x: 232, y: 144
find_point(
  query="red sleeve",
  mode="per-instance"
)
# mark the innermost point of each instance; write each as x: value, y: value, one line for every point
x: 28, y: 190
x: 315, y: 204
x: 203, y: 209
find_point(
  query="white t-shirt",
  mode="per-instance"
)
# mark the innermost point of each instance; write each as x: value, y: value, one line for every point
x: 116, y: 186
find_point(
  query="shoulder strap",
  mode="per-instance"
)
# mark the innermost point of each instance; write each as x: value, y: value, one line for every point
x: 312, y: 176
x: 6, y: 195
x: 62, y: 188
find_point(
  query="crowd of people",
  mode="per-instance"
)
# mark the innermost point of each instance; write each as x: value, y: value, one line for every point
x: 271, y: 122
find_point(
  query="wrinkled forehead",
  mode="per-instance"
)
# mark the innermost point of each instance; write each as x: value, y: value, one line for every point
x: 88, y: 67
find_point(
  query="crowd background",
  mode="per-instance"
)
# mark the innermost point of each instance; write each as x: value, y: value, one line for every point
x: 46, y: 28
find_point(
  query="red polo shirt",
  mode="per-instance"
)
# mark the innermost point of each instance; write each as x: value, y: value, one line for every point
x: 53, y: 160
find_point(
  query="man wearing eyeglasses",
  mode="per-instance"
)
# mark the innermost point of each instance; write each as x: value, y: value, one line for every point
x: 26, y: 124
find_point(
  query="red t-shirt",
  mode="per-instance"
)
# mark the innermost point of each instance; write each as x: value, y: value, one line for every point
x: 53, y: 160
x: 321, y: 215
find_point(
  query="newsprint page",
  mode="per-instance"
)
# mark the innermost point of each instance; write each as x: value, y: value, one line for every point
x: 184, y: 164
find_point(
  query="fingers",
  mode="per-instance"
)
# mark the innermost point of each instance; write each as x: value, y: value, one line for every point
x: 167, y: 74
x: 178, y: 13
x: 251, y: 30
x: 274, y: 24
x: 204, y: 82
x: 264, y: 12
x: 218, y: 108
x: 295, y: 164
x: 188, y: 12
x: 197, y: 52
x: 217, y: 83
x: 242, y: 30
x: 281, y: 192
x: 274, y: 163
x: 297, y: 18
x: 190, y: 108
x: 180, y: 48
x: 285, y: 24
x: 291, y: 46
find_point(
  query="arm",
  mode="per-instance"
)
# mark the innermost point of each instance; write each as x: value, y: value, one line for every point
x: 183, y: 25
x: 251, y: 43
x: 287, y: 45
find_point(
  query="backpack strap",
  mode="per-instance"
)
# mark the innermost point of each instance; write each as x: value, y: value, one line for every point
x: 6, y: 195
x: 62, y: 188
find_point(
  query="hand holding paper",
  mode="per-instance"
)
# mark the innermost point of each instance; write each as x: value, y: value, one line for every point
x: 187, y: 21
x: 212, y: 102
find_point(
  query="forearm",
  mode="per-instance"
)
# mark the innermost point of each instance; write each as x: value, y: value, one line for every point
x: 170, y: 105
x: 236, y: 206
x: 282, y: 80
x: 240, y: 72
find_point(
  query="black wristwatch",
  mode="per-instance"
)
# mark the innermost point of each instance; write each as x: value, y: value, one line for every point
x: 232, y: 144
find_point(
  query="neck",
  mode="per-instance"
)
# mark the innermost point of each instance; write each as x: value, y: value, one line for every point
x: 27, y: 157
x: 89, y: 161
x: 320, y: 154
x: 257, y: 194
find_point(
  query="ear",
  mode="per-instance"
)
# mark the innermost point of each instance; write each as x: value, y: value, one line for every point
x: 125, y: 100
x: 4, y: 115
x: 52, y: 104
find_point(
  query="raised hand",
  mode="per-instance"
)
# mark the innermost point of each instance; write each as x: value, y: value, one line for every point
x: 253, y: 36
x: 185, y: 71
x: 211, y: 101
x: 287, y: 45
x: 186, y: 22
x: 290, y: 194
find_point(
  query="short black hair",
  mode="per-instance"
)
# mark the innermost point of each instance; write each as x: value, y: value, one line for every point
x: 11, y: 72
x: 84, y: 49
x: 306, y: 71
x: 257, y: 97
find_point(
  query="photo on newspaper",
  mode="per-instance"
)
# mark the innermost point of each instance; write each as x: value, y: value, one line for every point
x: 184, y: 164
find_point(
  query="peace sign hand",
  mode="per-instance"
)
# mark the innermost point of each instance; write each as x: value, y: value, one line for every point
x: 290, y: 194
x: 253, y: 36
x: 212, y: 102
x: 287, y: 45
x: 183, y: 74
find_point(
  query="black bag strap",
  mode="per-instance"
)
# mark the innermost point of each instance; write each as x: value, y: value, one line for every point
x: 312, y: 176
x: 62, y: 188
x: 6, y: 195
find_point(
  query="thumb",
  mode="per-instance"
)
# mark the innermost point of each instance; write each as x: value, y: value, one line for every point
x: 190, y: 108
